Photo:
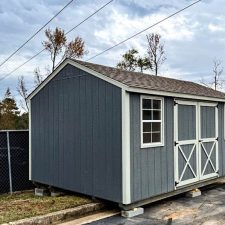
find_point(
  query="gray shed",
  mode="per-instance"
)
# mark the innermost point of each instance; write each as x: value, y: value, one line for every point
x: 122, y: 136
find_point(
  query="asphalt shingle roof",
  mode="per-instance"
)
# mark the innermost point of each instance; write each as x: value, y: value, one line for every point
x: 151, y: 82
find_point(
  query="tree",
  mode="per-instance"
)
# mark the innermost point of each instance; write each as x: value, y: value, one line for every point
x: 23, y: 121
x: 217, y: 72
x: 132, y: 61
x: 38, y: 77
x: 216, y: 81
x: 9, y: 112
x: 22, y: 90
x: 156, y: 52
x: 129, y: 61
x: 56, y: 44
x: 143, y: 64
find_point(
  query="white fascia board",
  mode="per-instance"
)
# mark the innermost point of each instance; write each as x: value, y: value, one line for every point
x: 79, y: 66
x: 172, y: 94
x: 126, y: 185
x: 118, y: 84
x: 50, y: 77
x: 99, y: 75
x: 30, y: 140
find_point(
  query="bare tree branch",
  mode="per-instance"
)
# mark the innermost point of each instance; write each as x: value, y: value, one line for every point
x: 22, y: 90
x: 38, y: 77
x: 156, y: 51
x: 216, y: 81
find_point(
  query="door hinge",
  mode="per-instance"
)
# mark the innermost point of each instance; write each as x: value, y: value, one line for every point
x: 175, y: 103
x: 217, y: 138
x: 175, y: 143
x: 217, y: 172
x: 176, y: 183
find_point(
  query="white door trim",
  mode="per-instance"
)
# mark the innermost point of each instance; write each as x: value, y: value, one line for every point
x: 205, y: 140
x: 178, y: 143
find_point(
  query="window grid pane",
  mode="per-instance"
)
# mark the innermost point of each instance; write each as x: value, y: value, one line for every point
x: 151, y: 121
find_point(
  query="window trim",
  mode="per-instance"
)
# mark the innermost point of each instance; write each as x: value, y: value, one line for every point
x: 156, y: 144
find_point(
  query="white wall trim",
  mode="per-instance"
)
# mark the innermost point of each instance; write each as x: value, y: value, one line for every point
x: 29, y: 139
x: 223, y: 127
x: 172, y: 94
x: 126, y: 185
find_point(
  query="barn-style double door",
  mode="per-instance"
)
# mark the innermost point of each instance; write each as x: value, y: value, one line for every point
x: 196, y: 141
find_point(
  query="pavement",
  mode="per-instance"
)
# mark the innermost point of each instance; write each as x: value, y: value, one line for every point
x: 207, y: 209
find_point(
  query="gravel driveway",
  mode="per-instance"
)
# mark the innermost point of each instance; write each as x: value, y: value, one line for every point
x: 207, y: 209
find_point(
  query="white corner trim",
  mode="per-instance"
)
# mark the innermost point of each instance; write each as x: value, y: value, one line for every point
x: 79, y: 66
x: 126, y: 185
x: 29, y: 139
x: 172, y: 94
x: 223, y: 121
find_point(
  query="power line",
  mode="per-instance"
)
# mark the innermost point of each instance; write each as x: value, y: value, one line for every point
x: 89, y: 17
x: 29, y: 39
x: 18, y: 67
x: 136, y: 34
x: 38, y: 53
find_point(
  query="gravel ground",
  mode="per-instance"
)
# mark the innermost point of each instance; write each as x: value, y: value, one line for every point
x: 207, y: 209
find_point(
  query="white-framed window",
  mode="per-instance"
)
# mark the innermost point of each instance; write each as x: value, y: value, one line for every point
x: 152, y: 129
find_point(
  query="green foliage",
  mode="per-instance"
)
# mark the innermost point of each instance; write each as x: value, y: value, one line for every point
x: 23, y: 121
x: 155, y: 56
x: 132, y: 61
x: 10, y: 116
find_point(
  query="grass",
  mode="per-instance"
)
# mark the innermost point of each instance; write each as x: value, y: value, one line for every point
x: 24, y: 205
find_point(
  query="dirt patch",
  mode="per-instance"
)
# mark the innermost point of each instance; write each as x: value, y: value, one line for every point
x: 25, y: 205
x: 181, y: 214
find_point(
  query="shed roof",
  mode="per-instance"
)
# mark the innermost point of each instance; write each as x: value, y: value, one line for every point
x: 152, y: 82
x: 140, y: 82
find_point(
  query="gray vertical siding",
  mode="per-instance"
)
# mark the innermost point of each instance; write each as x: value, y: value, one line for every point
x: 186, y: 122
x: 182, y: 162
x: 76, y: 135
x: 187, y: 131
x: 152, y: 169
x: 207, y: 122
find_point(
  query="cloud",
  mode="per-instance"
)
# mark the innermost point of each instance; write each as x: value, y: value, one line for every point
x: 215, y: 28
x: 192, y: 39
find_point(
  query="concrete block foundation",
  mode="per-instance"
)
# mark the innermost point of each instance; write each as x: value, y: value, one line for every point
x: 193, y: 193
x: 132, y: 213
x: 41, y: 192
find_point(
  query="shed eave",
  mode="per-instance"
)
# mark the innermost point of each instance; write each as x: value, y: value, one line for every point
x: 119, y: 84
x: 173, y: 94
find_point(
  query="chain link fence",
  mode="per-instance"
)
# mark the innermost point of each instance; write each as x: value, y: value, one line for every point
x: 14, y: 161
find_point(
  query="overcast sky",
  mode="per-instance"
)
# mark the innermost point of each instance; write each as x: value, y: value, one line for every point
x: 192, y: 39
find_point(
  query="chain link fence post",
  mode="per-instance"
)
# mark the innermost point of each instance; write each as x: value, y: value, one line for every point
x: 9, y: 163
